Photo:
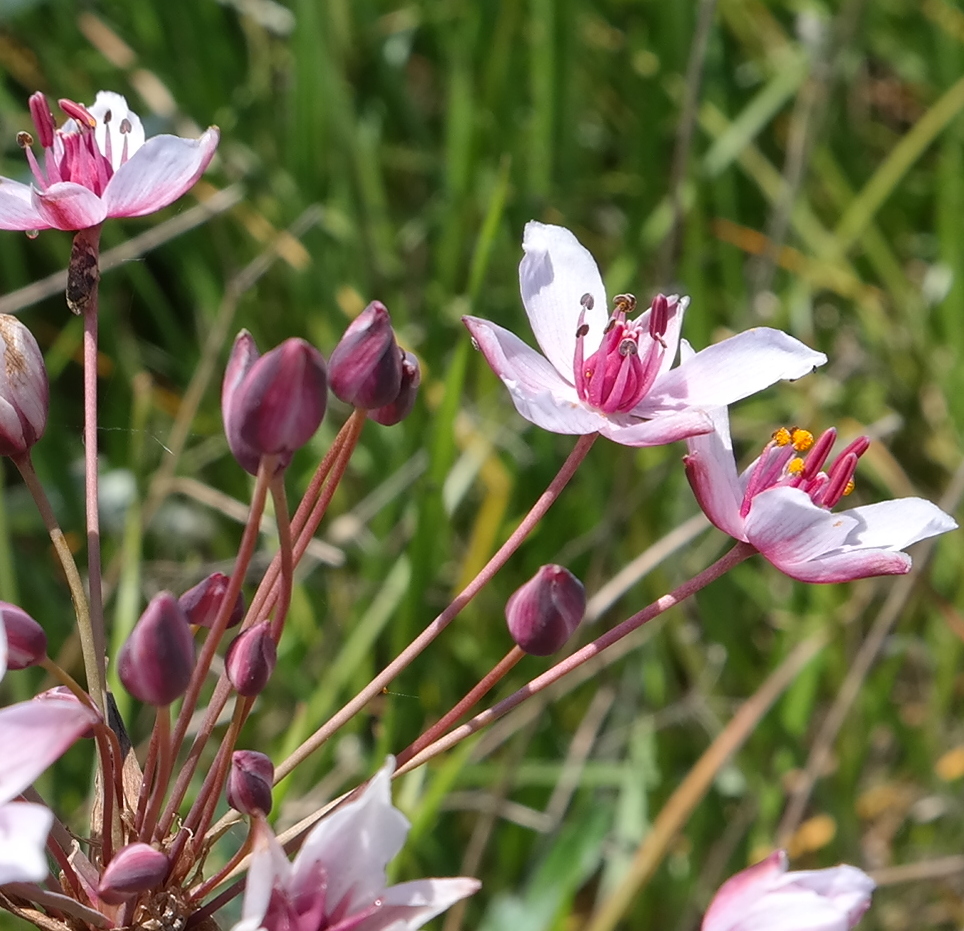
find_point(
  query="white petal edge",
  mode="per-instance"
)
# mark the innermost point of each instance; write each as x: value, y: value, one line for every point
x: 163, y: 169
x: 733, y: 369
x: 898, y: 523
x: 538, y: 391
x: 408, y: 906
x: 555, y: 272
x: 24, y: 827
x: 17, y: 210
x: 666, y: 428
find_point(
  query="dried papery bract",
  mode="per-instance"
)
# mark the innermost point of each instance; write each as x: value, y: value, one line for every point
x: 272, y: 404
x: 202, y: 602
x: 134, y: 869
x: 401, y: 407
x: 365, y: 368
x: 765, y: 895
x: 156, y: 662
x: 250, y: 782
x: 26, y: 640
x: 545, y: 612
x: 251, y: 659
x: 24, y: 392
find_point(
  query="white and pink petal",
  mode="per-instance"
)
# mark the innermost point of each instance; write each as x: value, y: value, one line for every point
x: 898, y: 523
x: 711, y: 471
x: 666, y: 428
x: 69, y: 206
x: 17, y: 208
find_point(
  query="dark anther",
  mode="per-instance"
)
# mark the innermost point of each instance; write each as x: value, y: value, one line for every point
x: 125, y: 125
x: 627, y: 347
x: 626, y: 303
x: 107, y: 116
x: 582, y: 331
x: 587, y: 301
x: 24, y: 140
x: 610, y: 325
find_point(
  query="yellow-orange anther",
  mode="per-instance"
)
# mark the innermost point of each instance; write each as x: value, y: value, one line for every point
x: 795, y: 466
x: 782, y: 437
x: 851, y: 485
x: 802, y: 439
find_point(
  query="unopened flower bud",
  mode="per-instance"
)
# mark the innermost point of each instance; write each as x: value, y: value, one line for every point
x: 251, y: 659
x: 272, y: 404
x: 24, y: 393
x: 134, y: 869
x: 202, y: 603
x: 365, y: 368
x: 26, y: 640
x: 249, y: 782
x: 156, y: 662
x: 402, y: 406
x: 543, y: 614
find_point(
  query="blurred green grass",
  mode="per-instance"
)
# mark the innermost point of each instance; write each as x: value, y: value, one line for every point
x: 429, y: 133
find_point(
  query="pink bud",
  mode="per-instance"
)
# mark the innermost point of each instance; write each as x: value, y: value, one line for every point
x: 202, y: 603
x: 365, y: 368
x: 251, y: 659
x: 402, y: 406
x: 24, y: 394
x: 543, y: 614
x: 765, y: 895
x: 134, y: 869
x: 272, y: 404
x: 156, y: 662
x: 249, y: 782
x: 26, y: 640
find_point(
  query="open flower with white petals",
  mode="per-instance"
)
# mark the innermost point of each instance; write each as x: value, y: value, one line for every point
x: 604, y: 372
x: 99, y: 165
x: 33, y: 734
x: 337, y: 880
x: 765, y: 897
x: 781, y: 505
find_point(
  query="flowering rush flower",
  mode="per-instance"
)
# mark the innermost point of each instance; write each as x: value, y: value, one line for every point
x: 781, y: 505
x: 337, y: 880
x: 33, y: 734
x: 603, y: 371
x: 99, y: 165
x: 765, y: 897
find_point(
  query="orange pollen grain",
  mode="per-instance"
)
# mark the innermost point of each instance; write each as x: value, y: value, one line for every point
x: 802, y: 439
x: 851, y: 485
x: 795, y: 466
x: 781, y: 437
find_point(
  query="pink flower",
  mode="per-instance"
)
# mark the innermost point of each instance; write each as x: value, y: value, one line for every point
x: 33, y: 734
x: 98, y: 165
x: 765, y: 897
x: 781, y: 505
x: 607, y: 373
x: 337, y: 880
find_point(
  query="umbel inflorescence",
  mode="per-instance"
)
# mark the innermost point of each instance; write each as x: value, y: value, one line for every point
x: 143, y: 860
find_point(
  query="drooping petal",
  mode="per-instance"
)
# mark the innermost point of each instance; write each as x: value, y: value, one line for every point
x: 539, y: 392
x: 732, y: 370
x: 666, y: 428
x: 711, y: 470
x: 111, y: 111
x: 353, y: 846
x: 897, y: 524
x: 24, y: 827
x: 69, y: 206
x: 408, y: 906
x: 33, y: 735
x: 161, y: 170
x: 555, y: 273
x: 17, y: 210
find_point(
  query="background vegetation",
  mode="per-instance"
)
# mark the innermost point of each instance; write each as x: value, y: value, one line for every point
x: 813, y: 155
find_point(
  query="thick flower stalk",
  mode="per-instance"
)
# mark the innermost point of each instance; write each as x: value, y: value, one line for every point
x: 99, y: 165
x: 782, y: 506
x: 765, y: 897
x: 337, y: 880
x: 605, y: 372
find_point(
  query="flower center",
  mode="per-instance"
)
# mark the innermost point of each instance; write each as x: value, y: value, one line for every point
x: 795, y: 459
x: 72, y: 153
x: 620, y: 373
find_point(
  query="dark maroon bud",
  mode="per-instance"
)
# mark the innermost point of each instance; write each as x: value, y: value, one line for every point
x: 202, y: 603
x: 156, y: 662
x: 24, y: 393
x: 251, y: 659
x: 402, y: 406
x: 60, y: 693
x: 365, y: 368
x: 134, y: 869
x: 544, y: 613
x: 272, y: 404
x: 249, y: 782
x: 26, y: 640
